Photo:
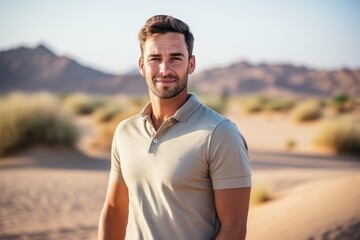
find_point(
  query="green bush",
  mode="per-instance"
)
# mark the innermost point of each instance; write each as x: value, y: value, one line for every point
x: 27, y: 120
x: 341, y: 134
x: 341, y: 103
x: 307, y: 110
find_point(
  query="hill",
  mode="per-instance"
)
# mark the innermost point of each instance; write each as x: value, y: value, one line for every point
x: 283, y: 79
x: 37, y: 69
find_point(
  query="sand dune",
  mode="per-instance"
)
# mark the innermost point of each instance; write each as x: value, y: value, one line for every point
x: 43, y: 198
x: 58, y: 194
x: 323, y: 204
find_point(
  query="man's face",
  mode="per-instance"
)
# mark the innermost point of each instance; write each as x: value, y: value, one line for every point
x: 165, y: 64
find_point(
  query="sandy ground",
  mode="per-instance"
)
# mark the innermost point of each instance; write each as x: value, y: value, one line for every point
x: 48, y: 197
x: 58, y: 193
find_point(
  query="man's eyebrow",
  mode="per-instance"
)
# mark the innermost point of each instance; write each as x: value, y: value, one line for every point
x: 154, y: 55
x: 177, y: 54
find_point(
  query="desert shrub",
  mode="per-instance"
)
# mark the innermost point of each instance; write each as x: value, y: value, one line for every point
x: 260, y: 193
x: 341, y: 134
x: 253, y: 104
x: 278, y: 104
x: 341, y: 103
x: 137, y: 102
x: 290, y: 144
x: 307, y: 110
x: 107, y: 129
x: 27, y: 120
x: 256, y: 103
x: 81, y: 103
x: 107, y: 112
x: 117, y: 105
x: 218, y: 104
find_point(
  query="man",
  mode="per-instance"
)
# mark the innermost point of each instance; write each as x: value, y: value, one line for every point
x: 179, y: 170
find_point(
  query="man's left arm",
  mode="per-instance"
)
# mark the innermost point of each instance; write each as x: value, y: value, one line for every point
x: 232, y: 206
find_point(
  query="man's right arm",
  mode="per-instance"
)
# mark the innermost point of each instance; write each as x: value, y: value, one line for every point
x: 114, y: 215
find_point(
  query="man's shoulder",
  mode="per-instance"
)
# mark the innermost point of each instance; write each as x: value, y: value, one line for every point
x: 210, y: 116
x: 130, y: 122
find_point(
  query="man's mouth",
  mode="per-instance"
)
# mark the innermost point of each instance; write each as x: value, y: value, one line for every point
x: 165, y: 80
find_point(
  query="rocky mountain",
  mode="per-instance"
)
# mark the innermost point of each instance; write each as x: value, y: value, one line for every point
x: 35, y: 69
x: 38, y: 69
x: 244, y: 78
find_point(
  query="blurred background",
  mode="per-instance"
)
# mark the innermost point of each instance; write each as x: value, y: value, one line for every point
x: 286, y: 72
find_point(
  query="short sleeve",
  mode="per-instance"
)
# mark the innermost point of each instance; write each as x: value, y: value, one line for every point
x: 228, y: 158
x: 115, y: 172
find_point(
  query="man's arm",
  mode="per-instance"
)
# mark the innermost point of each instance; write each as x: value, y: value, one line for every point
x: 114, y: 215
x: 232, y: 206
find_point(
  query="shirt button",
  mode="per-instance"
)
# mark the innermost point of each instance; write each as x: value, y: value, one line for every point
x: 155, y: 141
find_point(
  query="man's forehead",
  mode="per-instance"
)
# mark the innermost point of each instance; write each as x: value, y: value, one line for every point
x: 169, y: 42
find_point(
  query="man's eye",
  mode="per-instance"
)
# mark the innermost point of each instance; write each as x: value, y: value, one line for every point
x: 154, y: 59
x: 177, y: 58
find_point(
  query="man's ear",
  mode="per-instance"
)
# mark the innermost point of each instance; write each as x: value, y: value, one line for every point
x: 192, y: 64
x: 141, y: 66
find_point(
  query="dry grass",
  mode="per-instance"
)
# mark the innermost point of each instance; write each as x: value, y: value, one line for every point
x: 217, y: 104
x: 106, y: 129
x: 340, y: 134
x: 307, y: 110
x: 290, y: 144
x: 260, y: 193
x: 27, y: 120
x: 117, y: 105
x: 81, y: 103
x: 256, y: 103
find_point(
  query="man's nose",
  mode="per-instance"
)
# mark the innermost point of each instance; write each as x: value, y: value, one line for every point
x: 165, y: 68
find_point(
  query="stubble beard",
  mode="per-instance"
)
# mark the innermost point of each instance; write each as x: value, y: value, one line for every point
x: 165, y: 92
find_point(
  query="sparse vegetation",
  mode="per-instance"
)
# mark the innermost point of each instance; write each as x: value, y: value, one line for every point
x: 341, y: 134
x: 80, y: 103
x: 253, y: 104
x: 107, y: 112
x: 27, y: 120
x: 341, y: 103
x: 307, y: 110
x: 218, y: 104
x: 260, y: 193
x: 107, y: 129
x: 290, y: 144
x: 279, y: 104
x: 109, y: 109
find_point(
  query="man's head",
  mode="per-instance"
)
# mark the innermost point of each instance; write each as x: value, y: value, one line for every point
x: 166, y: 56
x: 161, y: 24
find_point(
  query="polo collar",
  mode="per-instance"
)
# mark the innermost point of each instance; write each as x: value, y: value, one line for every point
x: 182, y: 114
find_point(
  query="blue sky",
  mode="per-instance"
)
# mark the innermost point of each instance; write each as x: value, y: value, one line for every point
x: 103, y: 34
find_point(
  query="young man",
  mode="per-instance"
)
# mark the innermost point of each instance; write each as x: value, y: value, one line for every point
x: 179, y: 170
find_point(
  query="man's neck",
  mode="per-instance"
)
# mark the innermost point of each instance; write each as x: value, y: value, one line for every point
x: 162, y: 109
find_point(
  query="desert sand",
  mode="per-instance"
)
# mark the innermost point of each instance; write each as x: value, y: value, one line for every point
x: 57, y: 193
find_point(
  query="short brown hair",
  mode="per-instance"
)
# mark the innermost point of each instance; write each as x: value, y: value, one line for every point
x: 164, y: 24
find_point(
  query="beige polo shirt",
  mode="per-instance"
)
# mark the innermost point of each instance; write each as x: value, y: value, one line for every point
x: 171, y: 173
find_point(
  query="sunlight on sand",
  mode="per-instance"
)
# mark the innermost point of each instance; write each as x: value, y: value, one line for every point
x: 58, y: 193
